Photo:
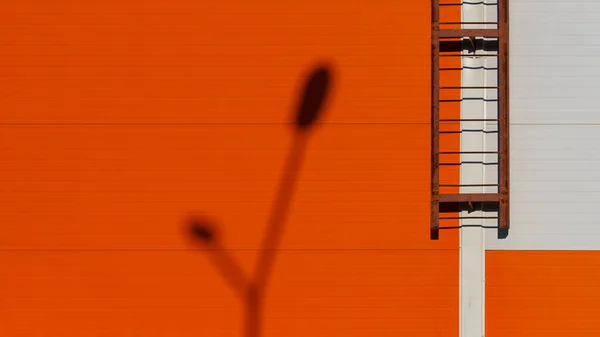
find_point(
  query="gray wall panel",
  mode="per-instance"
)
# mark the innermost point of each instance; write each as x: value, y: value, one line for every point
x: 555, y: 126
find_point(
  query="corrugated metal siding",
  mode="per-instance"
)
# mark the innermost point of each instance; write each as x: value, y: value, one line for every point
x: 542, y: 293
x: 555, y: 181
x: 121, y: 117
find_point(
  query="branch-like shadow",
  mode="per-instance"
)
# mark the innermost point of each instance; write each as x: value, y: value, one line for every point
x: 251, y: 289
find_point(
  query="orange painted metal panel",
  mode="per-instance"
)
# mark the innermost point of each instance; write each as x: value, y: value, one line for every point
x: 542, y: 293
x: 120, y: 118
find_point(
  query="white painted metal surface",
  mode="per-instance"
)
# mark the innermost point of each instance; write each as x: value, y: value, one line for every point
x: 476, y: 136
x: 555, y: 126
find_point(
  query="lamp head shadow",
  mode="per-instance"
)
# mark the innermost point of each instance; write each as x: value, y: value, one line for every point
x: 202, y: 231
x: 313, y: 97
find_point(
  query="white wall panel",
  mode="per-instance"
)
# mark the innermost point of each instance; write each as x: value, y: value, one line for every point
x: 555, y: 126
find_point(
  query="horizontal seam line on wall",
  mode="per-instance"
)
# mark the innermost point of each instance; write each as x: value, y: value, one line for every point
x: 557, y: 123
x: 207, y: 123
x: 230, y: 250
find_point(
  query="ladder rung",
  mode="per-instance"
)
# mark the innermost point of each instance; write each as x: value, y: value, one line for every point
x: 466, y: 163
x: 447, y: 33
x: 467, y: 23
x: 455, y: 87
x: 467, y: 3
x: 468, y: 217
x: 469, y: 55
x: 473, y: 197
x: 467, y: 185
x: 469, y: 152
x: 470, y: 120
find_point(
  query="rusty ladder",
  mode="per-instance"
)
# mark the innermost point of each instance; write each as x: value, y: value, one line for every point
x: 466, y: 47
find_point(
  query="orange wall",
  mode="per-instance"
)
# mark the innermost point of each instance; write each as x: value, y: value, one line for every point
x: 542, y: 293
x: 120, y: 118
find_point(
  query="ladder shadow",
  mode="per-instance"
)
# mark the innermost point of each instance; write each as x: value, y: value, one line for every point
x: 457, y: 207
x: 251, y: 289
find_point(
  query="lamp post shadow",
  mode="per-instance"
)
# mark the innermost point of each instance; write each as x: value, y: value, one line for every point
x: 251, y: 289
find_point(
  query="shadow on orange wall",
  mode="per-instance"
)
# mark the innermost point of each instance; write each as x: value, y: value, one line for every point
x: 121, y: 116
x: 251, y: 289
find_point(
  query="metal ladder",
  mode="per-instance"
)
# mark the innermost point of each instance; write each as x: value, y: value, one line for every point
x: 451, y: 39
